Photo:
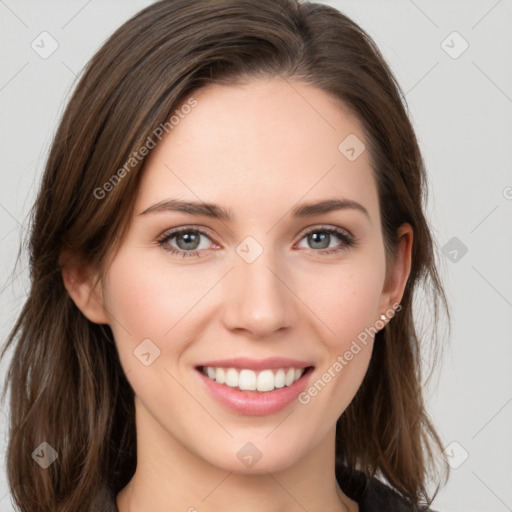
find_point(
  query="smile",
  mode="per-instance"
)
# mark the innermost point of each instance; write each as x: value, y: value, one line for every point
x: 249, y: 380
x: 254, y: 387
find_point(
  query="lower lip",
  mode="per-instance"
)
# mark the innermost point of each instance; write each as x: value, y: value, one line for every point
x: 255, y: 403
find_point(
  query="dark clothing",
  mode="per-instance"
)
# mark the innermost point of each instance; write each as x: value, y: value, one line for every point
x: 378, y: 497
x: 370, y: 494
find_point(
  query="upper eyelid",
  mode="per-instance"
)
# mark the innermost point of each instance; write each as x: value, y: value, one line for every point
x: 176, y: 231
x: 327, y: 227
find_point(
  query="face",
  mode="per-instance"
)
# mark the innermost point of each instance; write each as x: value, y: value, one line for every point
x: 257, y: 291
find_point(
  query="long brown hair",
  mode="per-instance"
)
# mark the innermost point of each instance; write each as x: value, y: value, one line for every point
x: 67, y: 387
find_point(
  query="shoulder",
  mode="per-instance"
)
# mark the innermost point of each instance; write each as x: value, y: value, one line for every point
x: 372, y: 495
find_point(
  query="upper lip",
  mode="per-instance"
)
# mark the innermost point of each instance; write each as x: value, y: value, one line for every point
x: 256, y: 364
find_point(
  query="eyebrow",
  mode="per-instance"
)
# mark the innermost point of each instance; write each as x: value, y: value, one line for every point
x: 218, y: 212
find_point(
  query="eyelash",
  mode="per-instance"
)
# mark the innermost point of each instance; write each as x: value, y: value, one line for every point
x: 347, y: 240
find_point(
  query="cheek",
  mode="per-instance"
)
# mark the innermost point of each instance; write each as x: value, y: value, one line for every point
x: 146, y: 302
x: 146, y: 299
x: 345, y: 298
x: 151, y: 308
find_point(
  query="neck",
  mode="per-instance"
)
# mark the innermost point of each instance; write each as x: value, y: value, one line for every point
x: 168, y: 473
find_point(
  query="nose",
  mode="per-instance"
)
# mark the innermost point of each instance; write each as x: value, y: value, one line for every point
x: 257, y: 298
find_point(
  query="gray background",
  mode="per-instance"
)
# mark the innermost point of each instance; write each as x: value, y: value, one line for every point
x: 461, y: 107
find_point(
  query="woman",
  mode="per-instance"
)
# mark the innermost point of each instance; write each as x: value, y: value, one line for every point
x: 225, y: 250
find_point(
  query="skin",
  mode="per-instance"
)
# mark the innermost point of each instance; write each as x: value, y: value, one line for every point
x: 257, y: 149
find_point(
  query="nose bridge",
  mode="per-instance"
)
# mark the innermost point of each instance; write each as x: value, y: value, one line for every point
x: 257, y: 299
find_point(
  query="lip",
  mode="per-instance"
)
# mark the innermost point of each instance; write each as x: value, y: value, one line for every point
x: 270, y: 363
x: 255, y: 403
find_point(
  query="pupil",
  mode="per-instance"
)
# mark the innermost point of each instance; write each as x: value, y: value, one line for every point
x: 319, y: 238
x: 190, y: 240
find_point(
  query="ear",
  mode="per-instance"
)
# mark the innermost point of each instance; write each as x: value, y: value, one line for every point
x: 397, y: 275
x: 84, y: 288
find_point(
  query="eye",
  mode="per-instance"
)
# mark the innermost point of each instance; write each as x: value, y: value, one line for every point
x: 185, y: 241
x: 322, y: 240
x: 188, y: 241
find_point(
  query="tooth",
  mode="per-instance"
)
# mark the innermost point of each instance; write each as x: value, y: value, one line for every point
x: 247, y: 380
x: 265, y: 381
x: 290, y: 374
x: 220, y: 375
x: 279, y: 378
x: 232, y: 378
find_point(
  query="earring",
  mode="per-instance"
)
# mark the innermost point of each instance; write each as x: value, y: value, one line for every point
x: 383, y: 318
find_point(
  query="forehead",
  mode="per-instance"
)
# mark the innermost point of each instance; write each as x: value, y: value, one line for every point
x: 267, y: 140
